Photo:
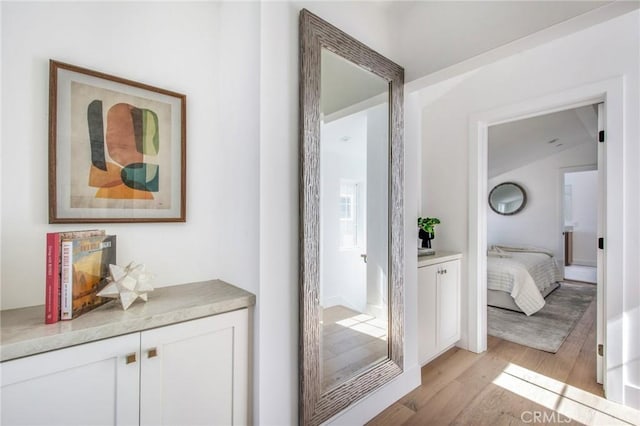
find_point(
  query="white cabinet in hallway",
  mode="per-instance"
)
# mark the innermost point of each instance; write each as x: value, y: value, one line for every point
x: 438, y: 304
x: 187, y: 364
x: 196, y: 372
x: 88, y: 384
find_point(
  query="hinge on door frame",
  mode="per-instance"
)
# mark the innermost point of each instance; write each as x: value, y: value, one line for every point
x: 601, y: 136
x: 601, y: 243
x: 601, y: 349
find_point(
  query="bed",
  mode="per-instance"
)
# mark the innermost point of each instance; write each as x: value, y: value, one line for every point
x: 519, y: 278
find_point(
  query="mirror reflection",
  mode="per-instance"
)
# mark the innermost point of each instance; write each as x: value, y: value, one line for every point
x: 354, y: 219
x: 507, y: 198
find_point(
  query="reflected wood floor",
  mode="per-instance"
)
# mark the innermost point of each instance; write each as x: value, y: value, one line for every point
x: 509, y: 384
x: 351, y: 341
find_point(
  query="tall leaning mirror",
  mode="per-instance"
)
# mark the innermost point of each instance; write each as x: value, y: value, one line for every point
x: 351, y: 266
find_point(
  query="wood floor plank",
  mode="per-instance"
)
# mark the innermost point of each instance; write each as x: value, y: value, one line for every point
x: 396, y: 414
x: 442, y: 408
x: 438, y: 374
x: 446, y: 404
x: 496, y: 405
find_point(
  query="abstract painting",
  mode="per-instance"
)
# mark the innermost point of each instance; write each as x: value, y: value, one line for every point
x: 116, y: 149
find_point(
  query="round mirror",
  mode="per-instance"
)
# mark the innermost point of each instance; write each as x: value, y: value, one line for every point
x: 507, y: 198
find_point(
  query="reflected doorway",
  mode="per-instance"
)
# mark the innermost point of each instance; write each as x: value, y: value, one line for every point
x: 580, y: 205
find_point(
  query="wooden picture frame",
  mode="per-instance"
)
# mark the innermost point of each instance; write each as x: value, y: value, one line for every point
x: 117, y: 149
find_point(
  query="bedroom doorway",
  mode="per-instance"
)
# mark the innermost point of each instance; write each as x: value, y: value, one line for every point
x: 535, y: 152
x: 610, y: 306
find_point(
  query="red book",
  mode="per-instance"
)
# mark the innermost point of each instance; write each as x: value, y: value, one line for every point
x: 52, y: 296
x: 53, y: 256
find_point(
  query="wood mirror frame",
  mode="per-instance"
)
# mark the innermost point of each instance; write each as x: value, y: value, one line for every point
x: 316, y: 405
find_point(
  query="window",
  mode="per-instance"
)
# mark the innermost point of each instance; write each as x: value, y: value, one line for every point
x: 346, y: 207
x: 348, y: 215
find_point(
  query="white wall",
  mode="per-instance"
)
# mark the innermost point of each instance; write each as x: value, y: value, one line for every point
x: 558, y: 66
x: 278, y: 324
x: 378, y: 243
x: 182, y: 52
x: 584, y: 215
x: 539, y: 223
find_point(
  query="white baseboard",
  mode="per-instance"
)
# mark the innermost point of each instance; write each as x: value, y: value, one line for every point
x: 430, y: 358
x: 632, y: 396
x: 583, y: 262
x: 340, y: 301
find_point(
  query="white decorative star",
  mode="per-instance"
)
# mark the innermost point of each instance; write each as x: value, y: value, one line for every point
x: 128, y: 284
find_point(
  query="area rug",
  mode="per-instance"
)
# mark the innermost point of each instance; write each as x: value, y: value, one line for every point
x: 548, y: 328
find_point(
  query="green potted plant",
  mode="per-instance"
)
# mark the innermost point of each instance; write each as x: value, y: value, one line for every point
x: 427, y: 231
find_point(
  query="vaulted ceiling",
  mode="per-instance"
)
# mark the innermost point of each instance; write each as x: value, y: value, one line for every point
x: 518, y: 143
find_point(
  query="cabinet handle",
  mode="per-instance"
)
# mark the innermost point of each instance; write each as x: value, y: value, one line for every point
x: 131, y: 358
x: 445, y: 271
x: 152, y: 353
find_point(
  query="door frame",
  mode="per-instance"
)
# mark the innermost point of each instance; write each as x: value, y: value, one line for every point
x: 611, y: 92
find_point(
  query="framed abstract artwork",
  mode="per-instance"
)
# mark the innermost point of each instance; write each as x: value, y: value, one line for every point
x: 117, y: 149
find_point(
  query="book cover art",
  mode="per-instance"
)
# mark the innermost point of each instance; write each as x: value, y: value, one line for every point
x: 85, y: 269
x: 53, y: 259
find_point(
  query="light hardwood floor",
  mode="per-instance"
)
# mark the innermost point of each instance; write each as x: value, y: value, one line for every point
x: 351, y: 342
x: 511, y: 384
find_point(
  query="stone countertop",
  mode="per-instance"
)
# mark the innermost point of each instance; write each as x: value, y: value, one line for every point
x: 439, y: 257
x: 24, y: 333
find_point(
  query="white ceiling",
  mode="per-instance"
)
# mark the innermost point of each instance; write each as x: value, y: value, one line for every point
x: 518, y: 143
x: 432, y: 35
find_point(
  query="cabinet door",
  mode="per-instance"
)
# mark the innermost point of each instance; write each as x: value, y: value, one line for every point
x: 448, y: 293
x: 427, y: 345
x: 196, y: 372
x: 90, y: 384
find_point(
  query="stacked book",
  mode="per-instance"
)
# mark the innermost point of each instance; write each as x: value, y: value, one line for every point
x: 77, y: 269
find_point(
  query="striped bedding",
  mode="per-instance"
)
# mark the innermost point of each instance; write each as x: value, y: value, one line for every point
x: 523, y: 273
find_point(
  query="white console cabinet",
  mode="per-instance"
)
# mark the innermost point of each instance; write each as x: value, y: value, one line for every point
x: 182, y: 373
x: 194, y: 372
x: 438, y: 304
x: 83, y: 385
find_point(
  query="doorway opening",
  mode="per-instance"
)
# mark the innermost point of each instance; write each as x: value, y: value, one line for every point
x: 610, y: 331
x: 553, y: 237
x: 580, y: 214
